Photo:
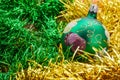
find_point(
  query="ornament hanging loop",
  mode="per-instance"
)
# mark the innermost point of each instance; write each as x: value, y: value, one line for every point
x: 94, y: 1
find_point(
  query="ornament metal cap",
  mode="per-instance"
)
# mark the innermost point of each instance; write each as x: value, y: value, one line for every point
x: 93, y: 8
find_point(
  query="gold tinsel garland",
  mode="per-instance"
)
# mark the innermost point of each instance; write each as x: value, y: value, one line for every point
x: 109, y: 66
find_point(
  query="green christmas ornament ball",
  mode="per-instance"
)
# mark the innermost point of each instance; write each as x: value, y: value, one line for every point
x: 86, y: 33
